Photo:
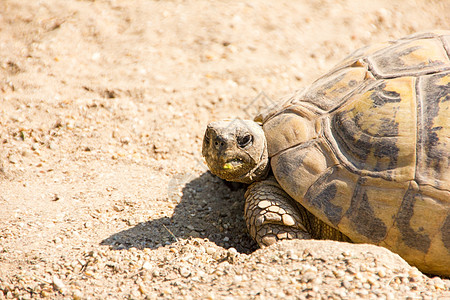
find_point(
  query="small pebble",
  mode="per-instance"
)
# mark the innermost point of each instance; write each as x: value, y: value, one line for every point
x: 439, y: 284
x: 77, y: 295
x: 58, y: 283
x: 237, y: 279
x: 339, y: 273
x: 232, y: 251
x: 184, y: 271
x: 118, y: 208
x: 381, y: 273
x: 414, y: 273
x: 147, y: 266
x: 211, y: 250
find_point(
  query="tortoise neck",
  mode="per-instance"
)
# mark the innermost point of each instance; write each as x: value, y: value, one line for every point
x: 260, y: 171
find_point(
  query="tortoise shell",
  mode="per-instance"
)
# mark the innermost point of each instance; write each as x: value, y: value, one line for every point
x: 366, y: 148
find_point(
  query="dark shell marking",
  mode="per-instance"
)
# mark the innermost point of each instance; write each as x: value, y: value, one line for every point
x: 410, y: 237
x: 446, y: 232
x: 363, y: 216
x: 320, y: 195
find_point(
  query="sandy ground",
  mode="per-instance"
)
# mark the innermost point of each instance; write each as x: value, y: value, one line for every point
x: 103, y: 104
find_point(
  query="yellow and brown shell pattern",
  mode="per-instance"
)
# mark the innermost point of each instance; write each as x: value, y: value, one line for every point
x: 376, y: 160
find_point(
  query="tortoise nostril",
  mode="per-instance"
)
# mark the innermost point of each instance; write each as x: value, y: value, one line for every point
x: 219, y: 142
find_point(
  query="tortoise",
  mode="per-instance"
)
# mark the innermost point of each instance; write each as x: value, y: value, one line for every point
x: 362, y: 155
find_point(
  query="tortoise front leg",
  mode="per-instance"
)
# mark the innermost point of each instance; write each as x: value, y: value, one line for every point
x: 272, y: 215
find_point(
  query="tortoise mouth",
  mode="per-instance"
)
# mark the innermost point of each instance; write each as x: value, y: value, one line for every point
x: 233, y: 164
x: 230, y: 168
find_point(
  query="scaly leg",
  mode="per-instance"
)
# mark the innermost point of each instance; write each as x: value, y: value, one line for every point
x: 272, y: 215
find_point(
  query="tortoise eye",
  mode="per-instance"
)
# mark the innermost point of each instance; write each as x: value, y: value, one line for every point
x: 245, y: 140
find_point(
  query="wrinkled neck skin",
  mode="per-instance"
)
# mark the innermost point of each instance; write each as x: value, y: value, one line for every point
x: 259, y: 172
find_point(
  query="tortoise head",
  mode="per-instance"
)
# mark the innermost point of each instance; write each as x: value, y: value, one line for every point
x: 236, y: 150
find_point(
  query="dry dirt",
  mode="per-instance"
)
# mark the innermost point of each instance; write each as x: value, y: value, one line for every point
x: 103, y: 104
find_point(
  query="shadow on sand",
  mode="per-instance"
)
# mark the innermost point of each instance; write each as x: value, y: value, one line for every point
x: 209, y: 208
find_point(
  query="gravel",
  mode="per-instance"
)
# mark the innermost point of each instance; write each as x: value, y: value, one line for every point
x: 199, y: 269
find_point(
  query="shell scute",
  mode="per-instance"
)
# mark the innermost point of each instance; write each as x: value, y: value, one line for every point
x: 300, y: 163
x: 433, y: 163
x: 373, y: 131
x: 330, y: 90
x: 420, y: 233
x: 286, y: 130
x: 410, y: 57
x: 372, y: 211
